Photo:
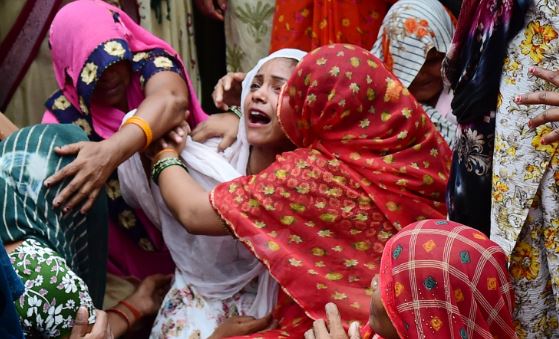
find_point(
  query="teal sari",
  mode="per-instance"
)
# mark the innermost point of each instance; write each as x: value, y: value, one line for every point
x: 27, y: 158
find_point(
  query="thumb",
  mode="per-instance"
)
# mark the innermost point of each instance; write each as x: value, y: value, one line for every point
x: 226, y: 142
x: 81, y: 324
x: 258, y: 325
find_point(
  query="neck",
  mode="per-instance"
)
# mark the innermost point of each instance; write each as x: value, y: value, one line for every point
x: 259, y: 159
x: 262, y: 157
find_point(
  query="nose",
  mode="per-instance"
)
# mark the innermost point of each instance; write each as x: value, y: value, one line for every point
x: 260, y: 95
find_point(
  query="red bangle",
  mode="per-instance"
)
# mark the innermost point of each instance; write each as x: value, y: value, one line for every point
x: 120, y: 314
x: 132, y: 309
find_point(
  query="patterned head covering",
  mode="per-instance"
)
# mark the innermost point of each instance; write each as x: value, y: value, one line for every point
x: 441, y: 279
x: 88, y: 36
x: 368, y: 161
x: 410, y: 29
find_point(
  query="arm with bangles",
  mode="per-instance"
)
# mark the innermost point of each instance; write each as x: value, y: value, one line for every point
x: 196, y: 213
x: 164, y: 107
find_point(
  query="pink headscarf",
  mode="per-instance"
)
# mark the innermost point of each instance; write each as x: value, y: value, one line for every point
x: 76, y: 31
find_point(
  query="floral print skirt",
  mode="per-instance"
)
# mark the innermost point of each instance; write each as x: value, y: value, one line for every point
x: 534, y: 263
x: 186, y: 314
x: 53, y: 292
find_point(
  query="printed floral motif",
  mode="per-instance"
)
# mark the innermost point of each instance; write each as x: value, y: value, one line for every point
x: 537, y: 39
x: 53, y: 292
x: 525, y: 197
x: 89, y: 73
x: 114, y: 48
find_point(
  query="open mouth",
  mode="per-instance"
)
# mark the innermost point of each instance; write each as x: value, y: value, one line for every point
x: 258, y: 117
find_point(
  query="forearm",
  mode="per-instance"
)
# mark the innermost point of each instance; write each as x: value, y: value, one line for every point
x: 164, y: 108
x: 189, y: 203
x: 118, y: 325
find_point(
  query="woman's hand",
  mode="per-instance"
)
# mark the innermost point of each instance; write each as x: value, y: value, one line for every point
x: 335, y: 329
x: 227, y: 91
x: 100, y: 330
x: 212, y: 8
x: 237, y: 326
x: 543, y: 98
x: 222, y: 125
x: 149, y: 295
x: 90, y: 170
x: 175, y: 140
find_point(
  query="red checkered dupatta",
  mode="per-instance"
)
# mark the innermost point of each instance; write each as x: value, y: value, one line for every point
x: 441, y: 279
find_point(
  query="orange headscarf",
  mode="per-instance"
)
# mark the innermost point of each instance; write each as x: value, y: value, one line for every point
x: 308, y: 24
x: 368, y: 161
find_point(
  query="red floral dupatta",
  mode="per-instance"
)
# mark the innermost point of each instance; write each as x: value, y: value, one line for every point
x: 368, y: 161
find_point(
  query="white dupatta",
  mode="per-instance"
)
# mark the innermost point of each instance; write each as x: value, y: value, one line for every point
x: 215, y: 267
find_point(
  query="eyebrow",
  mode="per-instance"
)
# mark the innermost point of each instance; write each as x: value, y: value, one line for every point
x: 274, y: 77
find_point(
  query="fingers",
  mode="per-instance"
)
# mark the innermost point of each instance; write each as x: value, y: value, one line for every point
x: 334, y: 321
x: 222, y: 4
x: 81, y: 325
x: 547, y: 75
x: 157, y: 280
x: 101, y: 327
x: 319, y: 328
x: 550, y: 137
x: 549, y: 115
x: 257, y: 325
x: 538, y: 98
x: 90, y: 201
x: 78, y: 195
x: 201, y: 133
x: 226, y: 142
x: 66, y: 171
x: 354, y: 330
x: 309, y: 334
x: 69, y: 149
x: 217, y: 94
x: 207, y: 7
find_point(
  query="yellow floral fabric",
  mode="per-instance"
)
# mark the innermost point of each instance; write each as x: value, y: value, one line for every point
x: 525, y: 199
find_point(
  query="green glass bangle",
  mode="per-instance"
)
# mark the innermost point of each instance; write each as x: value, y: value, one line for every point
x: 236, y: 110
x: 162, y: 164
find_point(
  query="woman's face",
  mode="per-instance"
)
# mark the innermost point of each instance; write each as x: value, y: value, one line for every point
x: 378, y: 318
x: 111, y: 87
x: 260, y: 106
x: 428, y: 83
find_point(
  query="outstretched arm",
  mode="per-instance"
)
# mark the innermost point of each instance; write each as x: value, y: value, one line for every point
x: 164, y: 106
x: 185, y: 198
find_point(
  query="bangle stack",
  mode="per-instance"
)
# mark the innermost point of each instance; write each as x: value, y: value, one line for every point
x: 236, y: 110
x: 164, y: 163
